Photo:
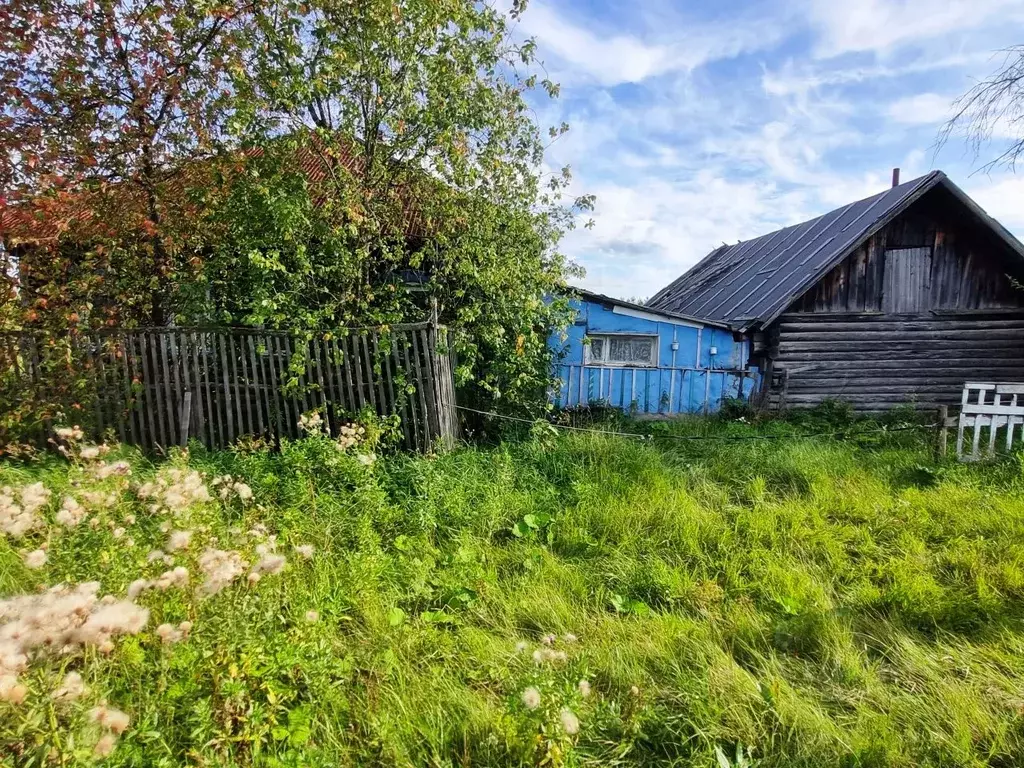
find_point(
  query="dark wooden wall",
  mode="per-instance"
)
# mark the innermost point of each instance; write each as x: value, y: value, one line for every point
x: 916, y: 333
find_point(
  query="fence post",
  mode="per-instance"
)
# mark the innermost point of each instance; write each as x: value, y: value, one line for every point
x: 940, y: 445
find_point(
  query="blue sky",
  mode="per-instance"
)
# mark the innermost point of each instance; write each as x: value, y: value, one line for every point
x: 698, y: 123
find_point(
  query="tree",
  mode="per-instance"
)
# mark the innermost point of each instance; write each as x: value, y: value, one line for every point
x: 106, y: 103
x: 289, y: 163
x: 398, y: 136
x: 992, y: 112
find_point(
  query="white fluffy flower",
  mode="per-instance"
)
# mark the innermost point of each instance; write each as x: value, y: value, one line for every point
x: 570, y: 723
x: 531, y: 698
x: 179, y: 540
x: 584, y: 687
x: 35, y: 559
x: 71, y: 689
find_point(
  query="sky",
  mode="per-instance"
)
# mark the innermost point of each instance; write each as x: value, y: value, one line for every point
x: 698, y: 123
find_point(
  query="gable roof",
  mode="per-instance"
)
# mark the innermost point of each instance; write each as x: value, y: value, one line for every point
x: 753, y: 282
x: 600, y: 298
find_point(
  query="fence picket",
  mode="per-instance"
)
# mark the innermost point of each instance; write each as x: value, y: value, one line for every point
x: 162, y: 387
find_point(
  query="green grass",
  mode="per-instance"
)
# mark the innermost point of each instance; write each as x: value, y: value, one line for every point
x: 819, y: 602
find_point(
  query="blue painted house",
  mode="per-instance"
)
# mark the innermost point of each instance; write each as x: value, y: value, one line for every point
x: 648, y: 361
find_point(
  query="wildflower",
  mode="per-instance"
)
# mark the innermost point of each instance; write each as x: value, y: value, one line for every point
x: 220, y: 568
x: 129, y: 519
x: 35, y: 559
x: 100, y: 499
x: 18, y: 519
x: 11, y: 690
x: 71, y: 689
x: 584, y: 687
x: 254, y: 578
x: 548, y: 639
x: 176, y: 577
x: 521, y: 646
x: 635, y: 690
x: 112, y: 719
x: 70, y: 513
x: 71, y: 434
x: 185, y: 628
x: 179, y: 540
x: 270, y: 564
x: 305, y: 551
x: 154, y: 555
x: 244, y: 491
x: 103, y: 470
x: 118, y: 533
x: 569, y: 637
x: 538, y: 656
x: 105, y: 746
x: 531, y: 698
x: 89, y: 452
x: 168, y: 633
x: 137, y: 587
x: 570, y: 723
x: 311, y: 423
x: 312, y: 617
x: 366, y: 459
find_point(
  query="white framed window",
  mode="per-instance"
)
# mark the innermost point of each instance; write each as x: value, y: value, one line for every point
x: 621, y: 349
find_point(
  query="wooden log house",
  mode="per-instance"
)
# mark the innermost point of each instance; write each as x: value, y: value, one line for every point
x: 898, y: 298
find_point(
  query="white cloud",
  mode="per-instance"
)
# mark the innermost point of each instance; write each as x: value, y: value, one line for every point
x: 700, y: 151
x: 921, y: 109
x: 1001, y: 196
x: 882, y: 25
x: 667, y: 45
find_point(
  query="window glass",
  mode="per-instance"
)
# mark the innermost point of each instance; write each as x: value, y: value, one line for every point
x: 623, y: 350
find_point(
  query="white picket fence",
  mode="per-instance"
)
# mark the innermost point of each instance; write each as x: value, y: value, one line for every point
x: 979, y: 412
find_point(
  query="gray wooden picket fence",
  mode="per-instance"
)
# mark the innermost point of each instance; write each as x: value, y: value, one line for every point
x: 162, y: 387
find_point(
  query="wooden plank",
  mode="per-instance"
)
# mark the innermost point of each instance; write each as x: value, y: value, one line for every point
x: 269, y: 341
x: 200, y: 400
x: 401, y: 396
x: 277, y: 381
x: 259, y: 385
x: 384, y: 381
x: 996, y: 421
x: 244, y: 383
x: 368, y: 367
x: 227, y: 412
x: 169, y: 407
x: 413, y: 412
x: 151, y: 400
x: 116, y: 388
x: 356, y: 366
x: 179, y: 364
x: 236, y: 384
x: 316, y: 368
x: 426, y: 391
x: 977, y: 424
x: 1011, y: 422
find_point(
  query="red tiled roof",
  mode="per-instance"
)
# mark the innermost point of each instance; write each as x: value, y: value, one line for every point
x: 46, y: 219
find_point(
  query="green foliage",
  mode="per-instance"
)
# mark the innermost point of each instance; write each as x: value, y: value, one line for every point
x: 773, y: 603
x: 289, y: 164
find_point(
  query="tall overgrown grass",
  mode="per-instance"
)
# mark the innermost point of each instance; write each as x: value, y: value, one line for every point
x: 571, y: 599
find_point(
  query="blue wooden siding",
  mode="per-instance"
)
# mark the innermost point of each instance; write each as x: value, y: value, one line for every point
x: 687, y: 378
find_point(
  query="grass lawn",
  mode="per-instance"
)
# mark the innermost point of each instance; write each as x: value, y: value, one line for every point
x: 812, y: 602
